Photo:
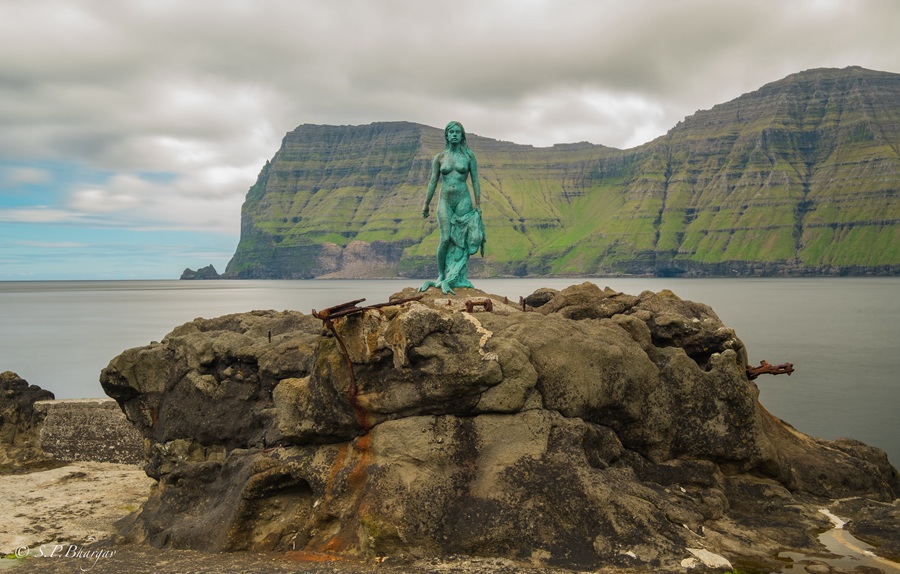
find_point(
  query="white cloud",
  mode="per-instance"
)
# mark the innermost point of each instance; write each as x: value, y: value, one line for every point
x: 573, y: 115
x: 123, y: 192
x: 200, y: 201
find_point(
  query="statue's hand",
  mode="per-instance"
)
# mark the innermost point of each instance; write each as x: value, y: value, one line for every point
x: 425, y: 212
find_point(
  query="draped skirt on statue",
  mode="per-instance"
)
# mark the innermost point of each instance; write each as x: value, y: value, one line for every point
x: 466, y: 238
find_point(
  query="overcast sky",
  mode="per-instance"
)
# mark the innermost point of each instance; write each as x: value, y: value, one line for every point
x: 131, y: 130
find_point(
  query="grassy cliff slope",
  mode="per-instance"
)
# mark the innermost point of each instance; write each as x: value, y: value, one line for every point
x: 800, y: 177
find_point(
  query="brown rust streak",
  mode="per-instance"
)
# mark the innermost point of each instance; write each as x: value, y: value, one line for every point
x: 347, y: 538
x: 309, y: 556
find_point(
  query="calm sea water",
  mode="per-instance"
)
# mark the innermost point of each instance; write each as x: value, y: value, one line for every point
x: 841, y: 334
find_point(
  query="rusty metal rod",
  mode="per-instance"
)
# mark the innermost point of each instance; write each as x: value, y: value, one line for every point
x: 354, y: 310
x: 349, y: 308
x: 766, y: 368
x: 330, y: 311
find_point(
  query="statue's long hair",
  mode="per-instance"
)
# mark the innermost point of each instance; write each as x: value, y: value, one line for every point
x: 462, y: 143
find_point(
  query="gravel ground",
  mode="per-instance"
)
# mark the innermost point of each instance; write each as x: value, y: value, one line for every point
x: 72, y: 504
x: 135, y: 560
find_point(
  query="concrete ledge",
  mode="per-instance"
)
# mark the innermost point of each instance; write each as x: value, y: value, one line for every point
x: 89, y: 430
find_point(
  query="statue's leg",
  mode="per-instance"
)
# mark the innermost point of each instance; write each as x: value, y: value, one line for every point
x: 443, y: 246
x: 442, y: 259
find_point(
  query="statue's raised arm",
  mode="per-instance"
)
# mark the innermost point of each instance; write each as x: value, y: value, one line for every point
x: 458, y: 216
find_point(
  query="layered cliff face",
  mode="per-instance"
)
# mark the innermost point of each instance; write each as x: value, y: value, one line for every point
x: 799, y: 177
x: 600, y: 429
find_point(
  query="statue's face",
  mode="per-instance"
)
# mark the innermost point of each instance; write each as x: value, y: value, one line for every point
x: 454, y: 134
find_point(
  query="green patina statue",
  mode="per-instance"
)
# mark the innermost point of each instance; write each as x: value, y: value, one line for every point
x: 459, y: 221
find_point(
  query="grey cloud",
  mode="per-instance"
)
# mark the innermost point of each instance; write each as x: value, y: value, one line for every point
x: 203, y: 87
x: 26, y: 175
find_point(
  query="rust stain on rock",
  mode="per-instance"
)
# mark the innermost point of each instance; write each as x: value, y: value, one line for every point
x: 347, y: 538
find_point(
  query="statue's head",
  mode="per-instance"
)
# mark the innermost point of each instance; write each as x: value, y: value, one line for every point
x: 455, y: 124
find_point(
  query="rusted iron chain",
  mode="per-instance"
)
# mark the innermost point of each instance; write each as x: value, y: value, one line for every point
x: 766, y: 368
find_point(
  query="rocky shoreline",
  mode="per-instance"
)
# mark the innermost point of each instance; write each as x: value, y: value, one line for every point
x: 77, y: 506
x: 586, y: 430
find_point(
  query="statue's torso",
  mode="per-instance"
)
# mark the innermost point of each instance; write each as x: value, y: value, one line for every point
x: 454, y: 163
x: 454, y: 173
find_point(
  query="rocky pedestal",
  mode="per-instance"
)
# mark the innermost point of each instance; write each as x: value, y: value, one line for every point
x: 597, y: 429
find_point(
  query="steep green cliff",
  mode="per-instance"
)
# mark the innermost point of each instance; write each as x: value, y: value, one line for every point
x: 799, y: 177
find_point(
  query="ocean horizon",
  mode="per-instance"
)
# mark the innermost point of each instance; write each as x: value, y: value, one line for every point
x: 840, y: 333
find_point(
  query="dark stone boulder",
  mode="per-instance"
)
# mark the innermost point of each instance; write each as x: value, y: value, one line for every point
x: 586, y: 301
x: 540, y: 297
x: 20, y: 424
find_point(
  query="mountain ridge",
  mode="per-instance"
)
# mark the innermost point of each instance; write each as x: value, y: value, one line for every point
x: 799, y: 177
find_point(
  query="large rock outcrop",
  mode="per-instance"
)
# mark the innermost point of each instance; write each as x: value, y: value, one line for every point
x: 598, y: 429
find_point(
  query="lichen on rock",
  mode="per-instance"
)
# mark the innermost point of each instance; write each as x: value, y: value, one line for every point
x: 598, y: 429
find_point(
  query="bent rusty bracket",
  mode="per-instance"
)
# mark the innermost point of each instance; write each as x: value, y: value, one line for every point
x: 766, y: 368
x: 486, y: 304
